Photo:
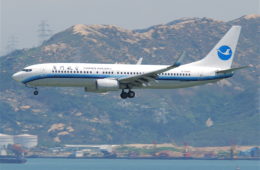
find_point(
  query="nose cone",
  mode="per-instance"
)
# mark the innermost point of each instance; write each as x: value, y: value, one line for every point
x: 17, y: 76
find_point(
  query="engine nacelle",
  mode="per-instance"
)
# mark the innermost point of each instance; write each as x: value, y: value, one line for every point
x: 107, y: 85
x: 103, y: 85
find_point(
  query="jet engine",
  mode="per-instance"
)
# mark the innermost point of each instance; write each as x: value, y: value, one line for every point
x: 107, y: 85
x: 104, y: 85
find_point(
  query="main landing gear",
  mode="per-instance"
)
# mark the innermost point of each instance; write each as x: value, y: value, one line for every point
x: 130, y: 94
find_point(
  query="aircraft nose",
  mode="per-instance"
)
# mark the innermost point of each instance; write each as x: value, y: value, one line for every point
x: 17, y: 76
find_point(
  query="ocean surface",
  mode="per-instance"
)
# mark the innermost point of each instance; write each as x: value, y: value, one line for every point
x: 124, y: 164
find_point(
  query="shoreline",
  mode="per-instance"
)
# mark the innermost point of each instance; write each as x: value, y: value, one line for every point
x: 151, y: 158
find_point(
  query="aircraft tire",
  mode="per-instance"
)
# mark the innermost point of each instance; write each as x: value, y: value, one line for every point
x: 131, y: 94
x: 123, y: 95
x: 35, y: 92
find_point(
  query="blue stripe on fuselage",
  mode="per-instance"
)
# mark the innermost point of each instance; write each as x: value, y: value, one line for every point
x: 99, y: 76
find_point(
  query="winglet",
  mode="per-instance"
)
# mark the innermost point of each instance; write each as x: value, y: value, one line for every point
x: 139, y: 62
x: 178, y: 62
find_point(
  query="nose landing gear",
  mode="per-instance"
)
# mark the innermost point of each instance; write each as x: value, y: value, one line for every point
x: 130, y: 94
x: 36, y: 92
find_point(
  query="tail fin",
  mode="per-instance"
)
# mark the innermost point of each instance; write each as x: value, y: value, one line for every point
x: 221, y: 56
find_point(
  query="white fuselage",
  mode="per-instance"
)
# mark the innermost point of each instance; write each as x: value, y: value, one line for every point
x: 216, y: 65
x: 85, y: 75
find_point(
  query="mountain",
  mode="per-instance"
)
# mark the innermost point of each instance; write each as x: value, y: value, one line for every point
x: 223, y: 113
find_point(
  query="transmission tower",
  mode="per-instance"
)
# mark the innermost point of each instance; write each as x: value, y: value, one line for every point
x: 44, y: 31
x: 11, y: 44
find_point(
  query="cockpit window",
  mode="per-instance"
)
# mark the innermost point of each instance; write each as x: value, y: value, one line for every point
x: 27, y: 70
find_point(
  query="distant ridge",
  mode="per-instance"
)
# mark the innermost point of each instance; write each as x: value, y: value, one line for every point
x: 71, y: 116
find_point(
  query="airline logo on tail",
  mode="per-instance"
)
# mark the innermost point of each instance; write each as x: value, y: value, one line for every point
x: 224, y: 52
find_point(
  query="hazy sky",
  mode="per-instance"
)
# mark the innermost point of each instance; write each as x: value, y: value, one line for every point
x: 20, y: 19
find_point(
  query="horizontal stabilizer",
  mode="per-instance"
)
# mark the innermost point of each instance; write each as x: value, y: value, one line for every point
x: 232, y: 69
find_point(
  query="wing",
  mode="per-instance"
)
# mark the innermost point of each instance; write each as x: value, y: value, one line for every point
x: 144, y: 79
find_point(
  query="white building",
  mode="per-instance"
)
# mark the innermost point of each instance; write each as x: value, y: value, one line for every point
x: 6, y: 140
x: 26, y: 140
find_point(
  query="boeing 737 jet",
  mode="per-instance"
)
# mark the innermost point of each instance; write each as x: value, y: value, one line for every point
x: 102, y: 78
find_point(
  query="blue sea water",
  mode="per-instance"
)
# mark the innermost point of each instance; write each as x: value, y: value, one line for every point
x: 124, y: 164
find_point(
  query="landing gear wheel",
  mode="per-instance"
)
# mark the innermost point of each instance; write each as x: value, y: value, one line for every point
x: 123, y: 95
x: 131, y: 94
x: 35, y: 92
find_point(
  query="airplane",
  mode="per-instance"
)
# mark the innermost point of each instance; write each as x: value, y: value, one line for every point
x: 102, y: 78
